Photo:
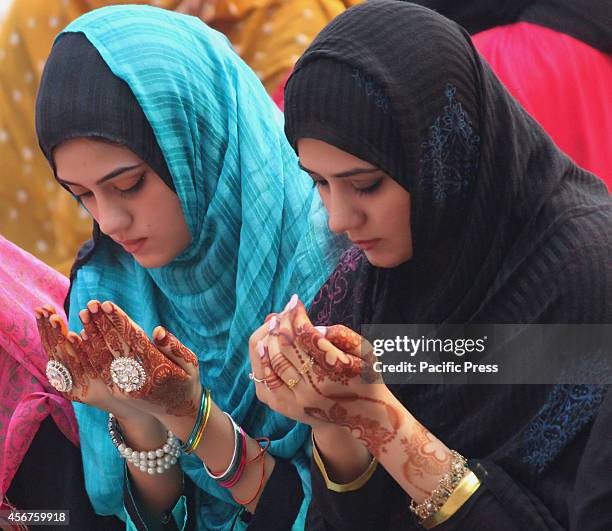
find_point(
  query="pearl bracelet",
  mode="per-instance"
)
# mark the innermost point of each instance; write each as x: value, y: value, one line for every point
x: 151, y: 461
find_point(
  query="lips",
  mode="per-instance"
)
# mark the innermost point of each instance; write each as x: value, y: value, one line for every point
x: 132, y: 246
x: 366, y: 244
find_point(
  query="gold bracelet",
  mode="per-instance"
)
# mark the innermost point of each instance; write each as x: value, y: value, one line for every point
x: 468, y: 486
x: 446, y: 486
x: 342, y: 487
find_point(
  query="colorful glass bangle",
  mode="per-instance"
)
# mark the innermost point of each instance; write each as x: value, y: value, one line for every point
x: 200, y: 434
x: 342, y: 487
x: 187, y: 447
x: 462, y: 493
x: 259, y: 487
x: 235, y: 461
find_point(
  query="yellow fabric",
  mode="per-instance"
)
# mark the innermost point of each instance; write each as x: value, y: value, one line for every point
x: 35, y: 212
x: 270, y: 35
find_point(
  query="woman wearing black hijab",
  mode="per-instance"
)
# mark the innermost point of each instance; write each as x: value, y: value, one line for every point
x: 392, y: 101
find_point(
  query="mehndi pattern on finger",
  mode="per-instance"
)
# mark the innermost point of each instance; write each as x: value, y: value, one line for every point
x: 166, y: 383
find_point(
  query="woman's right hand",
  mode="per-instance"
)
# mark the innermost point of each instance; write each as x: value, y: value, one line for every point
x: 87, y: 363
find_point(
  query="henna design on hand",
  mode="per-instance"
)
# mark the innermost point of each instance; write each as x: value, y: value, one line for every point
x: 167, y: 384
x: 370, y: 431
x: 177, y: 348
x: 98, y: 353
x: 273, y: 381
x: 426, y: 456
x: 53, y: 334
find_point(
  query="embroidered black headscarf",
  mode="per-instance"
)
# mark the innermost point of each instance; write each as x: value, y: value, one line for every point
x: 506, y: 229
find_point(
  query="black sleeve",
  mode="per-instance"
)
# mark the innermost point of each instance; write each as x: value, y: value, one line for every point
x: 280, y: 500
x: 50, y: 477
x: 373, y: 506
x: 500, y: 503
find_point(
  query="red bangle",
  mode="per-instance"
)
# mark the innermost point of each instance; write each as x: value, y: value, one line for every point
x: 259, y: 488
x: 262, y: 449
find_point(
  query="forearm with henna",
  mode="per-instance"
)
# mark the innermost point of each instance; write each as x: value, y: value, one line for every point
x: 410, y: 453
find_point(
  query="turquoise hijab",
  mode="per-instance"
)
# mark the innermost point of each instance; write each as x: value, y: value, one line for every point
x: 258, y: 232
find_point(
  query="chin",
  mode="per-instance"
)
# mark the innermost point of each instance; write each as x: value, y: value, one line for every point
x: 385, y: 261
x: 151, y: 262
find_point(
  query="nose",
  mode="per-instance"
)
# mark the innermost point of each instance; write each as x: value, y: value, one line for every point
x: 343, y: 214
x: 112, y: 218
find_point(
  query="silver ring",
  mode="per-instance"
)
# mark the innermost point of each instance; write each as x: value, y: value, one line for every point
x: 255, y: 379
x: 59, y: 376
x: 128, y: 374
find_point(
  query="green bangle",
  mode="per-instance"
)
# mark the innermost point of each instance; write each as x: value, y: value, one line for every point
x: 188, y: 446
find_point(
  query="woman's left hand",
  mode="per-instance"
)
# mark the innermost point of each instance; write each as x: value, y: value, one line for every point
x: 172, y: 380
x: 319, y: 376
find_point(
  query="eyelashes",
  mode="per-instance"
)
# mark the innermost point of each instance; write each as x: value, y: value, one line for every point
x: 360, y: 191
x: 369, y: 189
x: 123, y: 193
x: 135, y: 188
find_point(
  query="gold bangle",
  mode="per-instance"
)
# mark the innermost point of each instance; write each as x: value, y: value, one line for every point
x: 462, y: 493
x: 342, y: 487
x: 198, y: 438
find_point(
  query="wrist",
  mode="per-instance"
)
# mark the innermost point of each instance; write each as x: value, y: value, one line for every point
x: 142, y: 433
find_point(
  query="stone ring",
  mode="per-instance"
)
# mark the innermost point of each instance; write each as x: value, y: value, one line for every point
x: 59, y: 376
x: 128, y: 374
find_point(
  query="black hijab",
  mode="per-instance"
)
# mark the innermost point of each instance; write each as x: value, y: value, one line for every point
x: 587, y: 20
x: 506, y: 229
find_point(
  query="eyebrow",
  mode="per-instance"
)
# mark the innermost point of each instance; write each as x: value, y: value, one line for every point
x: 348, y: 173
x: 107, y: 177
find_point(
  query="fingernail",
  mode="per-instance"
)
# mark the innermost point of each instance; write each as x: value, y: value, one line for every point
x: 84, y: 316
x: 53, y: 323
x: 107, y: 307
x: 160, y: 333
x: 321, y: 329
x: 260, y: 349
x: 84, y: 335
x: 292, y: 302
x: 93, y: 306
x: 272, y: 323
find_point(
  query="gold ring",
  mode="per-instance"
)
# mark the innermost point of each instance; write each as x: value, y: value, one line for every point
x: 292, y: 382
x: 306, y: 367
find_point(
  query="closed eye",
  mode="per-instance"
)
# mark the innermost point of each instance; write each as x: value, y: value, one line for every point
x: 134, y: 188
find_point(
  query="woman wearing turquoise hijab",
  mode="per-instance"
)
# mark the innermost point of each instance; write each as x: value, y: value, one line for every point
x: 201, y: 226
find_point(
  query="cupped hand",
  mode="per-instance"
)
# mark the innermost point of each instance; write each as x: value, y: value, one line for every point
x: 68, y: 348
x: 322, y: 375
x: 172, y: 381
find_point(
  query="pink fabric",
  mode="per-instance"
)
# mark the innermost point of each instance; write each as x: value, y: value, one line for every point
x: 26, y: 398
x: 562, y: 82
